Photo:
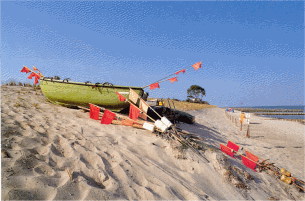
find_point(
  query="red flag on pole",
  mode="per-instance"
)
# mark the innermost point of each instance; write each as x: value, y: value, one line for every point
x: 133, y: 112
x: 154, y: 85
x: 144, y: 107
x: 180, y: 71
x: 233, y: 146
x: 107, y: 117
x: 36, y: 78
x: 25, y: 70
x: 31, y: 75
x: 227, y: 150
x: 34, y: 68
x: 174, y: 79
x: 121, y: 98
x: 247, y: 162
x: 251, y: 156
x: 94, y: 112
x: 197, y: 65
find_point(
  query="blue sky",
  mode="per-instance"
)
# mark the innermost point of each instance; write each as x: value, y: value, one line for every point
x: 252, y: 53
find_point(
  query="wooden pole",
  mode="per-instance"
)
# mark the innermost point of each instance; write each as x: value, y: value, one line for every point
x: 135, y: 125
x: 248, y: 132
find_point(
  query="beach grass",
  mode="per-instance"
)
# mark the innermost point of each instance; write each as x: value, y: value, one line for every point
x: 13, y: 82
x: 183, y: 105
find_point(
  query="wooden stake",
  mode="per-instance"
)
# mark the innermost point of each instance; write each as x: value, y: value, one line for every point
x: 135, y: 125
x: 248, y: 132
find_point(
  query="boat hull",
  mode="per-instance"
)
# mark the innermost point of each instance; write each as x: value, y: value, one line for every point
x: 81, y: 94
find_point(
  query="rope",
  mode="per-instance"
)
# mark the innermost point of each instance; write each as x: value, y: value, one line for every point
x: 163, y: 79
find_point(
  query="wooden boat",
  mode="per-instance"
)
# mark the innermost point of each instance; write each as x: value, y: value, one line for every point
x: 68, y: 93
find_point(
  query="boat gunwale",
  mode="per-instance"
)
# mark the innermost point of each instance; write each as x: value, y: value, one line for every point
x: 89, y: 84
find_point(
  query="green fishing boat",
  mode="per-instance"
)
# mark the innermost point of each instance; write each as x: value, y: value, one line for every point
x: 67, y: 93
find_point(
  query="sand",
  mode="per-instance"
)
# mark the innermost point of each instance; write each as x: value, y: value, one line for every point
x: 42, y: 143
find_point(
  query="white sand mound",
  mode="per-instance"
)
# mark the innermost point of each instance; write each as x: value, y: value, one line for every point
x: 42, y: 143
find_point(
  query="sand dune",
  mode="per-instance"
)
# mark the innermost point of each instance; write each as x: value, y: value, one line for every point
x: 42, y: 143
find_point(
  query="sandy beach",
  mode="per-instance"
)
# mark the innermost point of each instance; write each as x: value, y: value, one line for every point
x: 51, y: 152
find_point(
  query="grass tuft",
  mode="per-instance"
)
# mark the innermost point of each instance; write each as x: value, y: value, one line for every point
x: 11, y: 82
x: 183, y: 105
x: 17, y: 104
x: 27, y: 84
x: 36, y: 105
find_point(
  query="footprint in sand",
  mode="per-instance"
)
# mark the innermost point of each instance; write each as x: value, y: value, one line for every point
x: 61, y: 147
x: 44, y: 170
x: 57, y: 180
x: 42, y: 150
x: 46, y: 193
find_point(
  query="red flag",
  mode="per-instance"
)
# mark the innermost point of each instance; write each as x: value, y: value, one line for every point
x: 251, y: 156
x: 180, y: 71
x: 227, y: 150
x: 31, y: 75
x: 174, y: 79
x: 127, y: 122
x: 36, y: 78
x: 121, y: 98
x: 133, y: 112
x: 233, y: 146
x: 248, y: 163
x: 34, y: 68
x: 197, y: 65
x: 154, y: 85
x: 94, y: 112
x: 107, y: 117
x: 25, y: 70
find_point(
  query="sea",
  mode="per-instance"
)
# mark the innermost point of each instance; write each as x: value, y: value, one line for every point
x: 281, y: 107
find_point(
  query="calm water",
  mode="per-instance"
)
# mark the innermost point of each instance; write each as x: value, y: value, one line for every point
x: 282, y: 107
x: 285, y: 116
x: 279, y: 107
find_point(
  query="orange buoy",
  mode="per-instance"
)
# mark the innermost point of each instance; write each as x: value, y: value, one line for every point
x: 285, y: 172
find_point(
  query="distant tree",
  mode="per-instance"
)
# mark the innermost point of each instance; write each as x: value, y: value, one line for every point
x: 195, y: 91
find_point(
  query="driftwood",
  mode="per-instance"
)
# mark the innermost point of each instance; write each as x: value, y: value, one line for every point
x: 246, y: 175
x: 222, y: 165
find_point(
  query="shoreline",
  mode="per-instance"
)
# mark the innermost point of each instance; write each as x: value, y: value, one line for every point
x: 302, y: 121
x: 269, y: 110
